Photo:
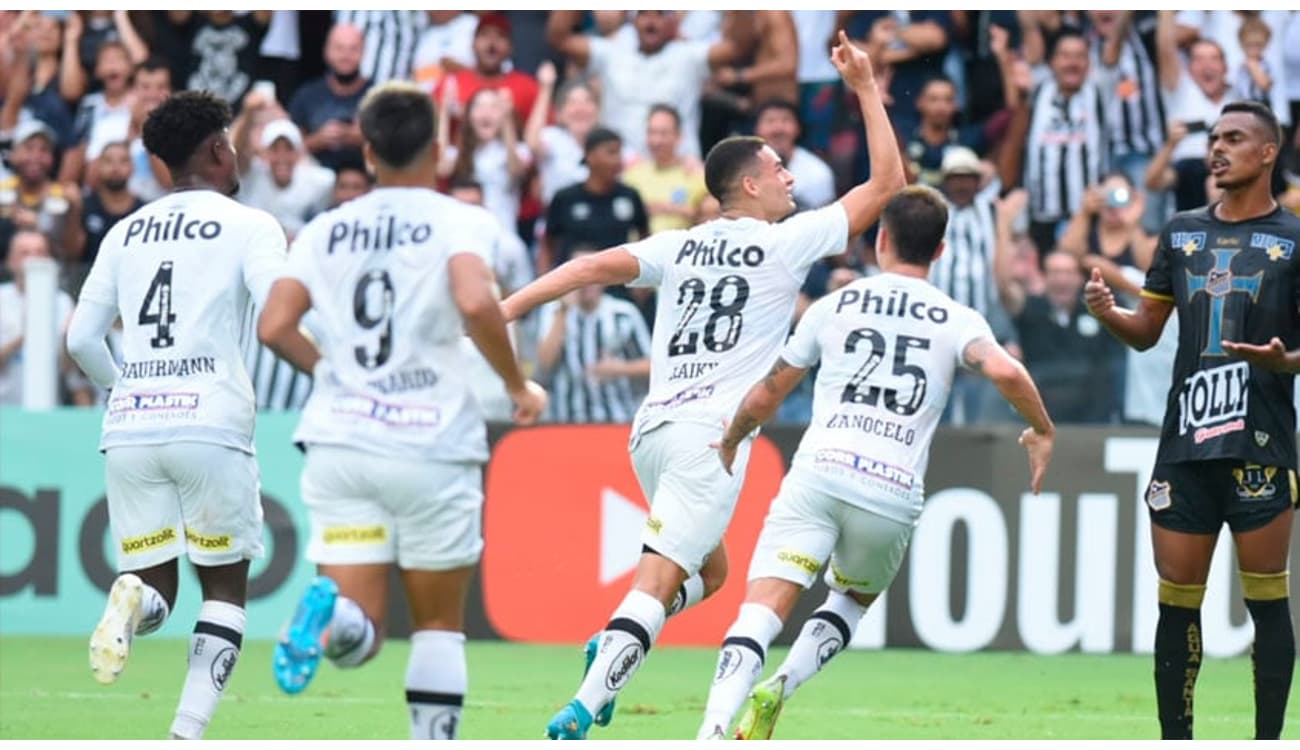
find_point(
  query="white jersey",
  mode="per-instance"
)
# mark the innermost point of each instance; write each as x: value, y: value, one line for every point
x: 889, y: 346
x: 377, y: 271
x: 185, y: 273
x: 727, y: 290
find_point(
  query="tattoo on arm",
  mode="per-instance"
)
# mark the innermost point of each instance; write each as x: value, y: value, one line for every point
x: 769, y: 381
x: 976, y: 353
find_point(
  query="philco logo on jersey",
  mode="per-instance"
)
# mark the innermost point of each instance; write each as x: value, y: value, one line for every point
x: 1214, y: 401
x: 1255, y: 482
x: 1275, y: 247
x: 384, y: 233
x: 711, y: 254
x: 896, y: 304
x: 1188, y: 242
x: 174, y: 227
x: 154, y: 402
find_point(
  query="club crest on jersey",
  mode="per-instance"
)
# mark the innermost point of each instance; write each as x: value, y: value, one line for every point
x: 1188, y: 242
x: 1276, y: 248
x: 1261, y: 438
x: 1159, y: 495
x: 1255, y: 482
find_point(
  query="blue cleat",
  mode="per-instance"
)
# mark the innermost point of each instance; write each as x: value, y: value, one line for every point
x: 606, y: 713
x: 569, y: 723
x: 298, y: 653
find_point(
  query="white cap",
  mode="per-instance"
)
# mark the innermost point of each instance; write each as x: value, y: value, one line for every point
x: 959, y: 160
x: 276, y: 129
x: 33, y: 127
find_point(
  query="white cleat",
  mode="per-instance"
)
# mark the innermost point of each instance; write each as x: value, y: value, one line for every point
x: 715, y: 734
x: 110, y: 644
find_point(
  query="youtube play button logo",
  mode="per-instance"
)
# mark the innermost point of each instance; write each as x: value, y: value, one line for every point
x: 562, y: 525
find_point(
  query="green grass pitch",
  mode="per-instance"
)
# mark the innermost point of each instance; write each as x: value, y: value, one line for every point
x: 46, y: 692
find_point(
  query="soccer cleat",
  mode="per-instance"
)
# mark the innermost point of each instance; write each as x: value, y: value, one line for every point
x: 110, y: 644
x: 569, y: 723
x: 764, y: 706
x: 298, y: 653
x: 606, y: 713
x: 716, y: 734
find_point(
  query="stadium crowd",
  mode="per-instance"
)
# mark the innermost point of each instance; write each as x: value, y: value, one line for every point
x: 1062, y: 140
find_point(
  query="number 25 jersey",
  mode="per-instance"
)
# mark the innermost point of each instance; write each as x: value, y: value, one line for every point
x: 184, y: 273
x: 727, y: 290
x: 377, y: 271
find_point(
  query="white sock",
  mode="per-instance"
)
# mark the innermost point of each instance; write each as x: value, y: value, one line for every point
x: 739, y: 664
x: 436, y: 681
x: 826, y: 633
x: 214, y: 649
x: 153, y: 611
x: 627, y: 638
x: 689, y: 594
x: 352, y: 635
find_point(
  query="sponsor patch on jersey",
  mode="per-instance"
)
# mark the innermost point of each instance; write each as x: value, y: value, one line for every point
x: 870, y: 467
x: 1159, y: 495
x: 153, y: 402
x: 377, y: 534
x: 393, y: 415
x: 1188, y: 242
x: 1213, y: 402
x: 1276, y: 248
x: 206, y: 542
x: 1255, y: 482
x: 134, y: 545
x: 799, y: 560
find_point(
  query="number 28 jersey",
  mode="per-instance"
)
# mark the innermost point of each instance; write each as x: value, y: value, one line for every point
x: 185, y: 273
x: 727, y: 290
x: 377, y: 271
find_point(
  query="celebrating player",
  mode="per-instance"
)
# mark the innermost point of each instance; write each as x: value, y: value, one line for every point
x: 395, y: 441
x: 855, y: 488
x: 184, y: 273
x: 726, y: 297
x: 1227, y: 449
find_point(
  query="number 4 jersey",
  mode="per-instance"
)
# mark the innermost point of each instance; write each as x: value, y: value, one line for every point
x: 889, y: 346
x: 727, y: 290
x: 184, y: 273
x: 377, y: 271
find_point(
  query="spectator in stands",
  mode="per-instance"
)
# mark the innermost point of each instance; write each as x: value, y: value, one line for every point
x: 151, y: 84
x: 660, y: 69
x: 217, y: 49
x: 350, y: 181
x: 1108, y: 230
x: 487, y: 151
x: 768, y: 72
x: 671, y: 186
x: 279, y: 56
x: 110, y: 200
x: 1194, y: 95
x: 557, y: 148
x: 973, y: 32
x: 492, y: 50
x: 326, y: 108
x: 915, y: 44
x: 777, y: 122
x: 278, y: 177
x: 33, y: 90
x: 510, y: 262
x: 819, y: 84
x: 86, y: 32
x: 595, y: 351
x: 446, y: 46
x: 937, y: 131
x: 1224, y: 27
x: 24, y: 245
x: 600, y: 211
x: 103, y: 116
x: 1254, y: 77
x: 31, y: 200
x: 389, y: 37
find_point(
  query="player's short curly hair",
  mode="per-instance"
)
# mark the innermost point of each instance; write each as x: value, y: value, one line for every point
x: 174, y: 131
x: 397, y: 120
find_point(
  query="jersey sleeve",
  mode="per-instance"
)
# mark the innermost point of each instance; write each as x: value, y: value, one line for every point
x: 1160, y: 280
x: 265, y: 257
x: 973, y: 328
x: 654, y: 255
x: 478, y: 235
x: 804, y: 349
x: 810, y: 236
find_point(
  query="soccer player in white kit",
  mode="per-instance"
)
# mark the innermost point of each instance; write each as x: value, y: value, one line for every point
x: 395, y: 441
x: 184, y: 273
x: 727, y: 291
x: 888, y: 346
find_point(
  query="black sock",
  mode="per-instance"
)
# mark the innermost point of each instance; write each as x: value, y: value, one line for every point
x: 1273, y: 659
x: 1178, y: 662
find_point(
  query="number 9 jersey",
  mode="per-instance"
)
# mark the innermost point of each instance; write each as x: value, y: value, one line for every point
x: 184, y: 274
x: 377, y: 272
x: 727, y: 290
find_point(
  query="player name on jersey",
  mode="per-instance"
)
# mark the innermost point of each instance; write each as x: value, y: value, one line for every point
x: 169, y: 368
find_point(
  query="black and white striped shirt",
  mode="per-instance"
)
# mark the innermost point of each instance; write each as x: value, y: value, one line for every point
x: 614, y: 329
x: 1067, y: 149
x: 1135, y: 110
x: 391, y: 38
x: 965, y: 269
x: 277, y: 385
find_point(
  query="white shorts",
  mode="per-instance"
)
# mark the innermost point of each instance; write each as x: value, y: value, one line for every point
x: 691, y: 496
x: 805, y: 526
x: 365, y: 508
x: 184, y: 498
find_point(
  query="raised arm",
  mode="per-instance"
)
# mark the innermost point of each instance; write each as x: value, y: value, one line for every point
x: 546, y: 76
x: 1169, y: 64
x: 1160, y: 172
x: 759, y: 405
x: 1139, y: 328
x: 1012, y: 380
x: 1010, y: 291
x: 561, y: 36
x: 864, y: 203
x: 918, y: 40
x: 1113, y: 45
x: 72, y: 77
x: 779, y: 29
x: 126, y: 31
x: 613, y: 266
